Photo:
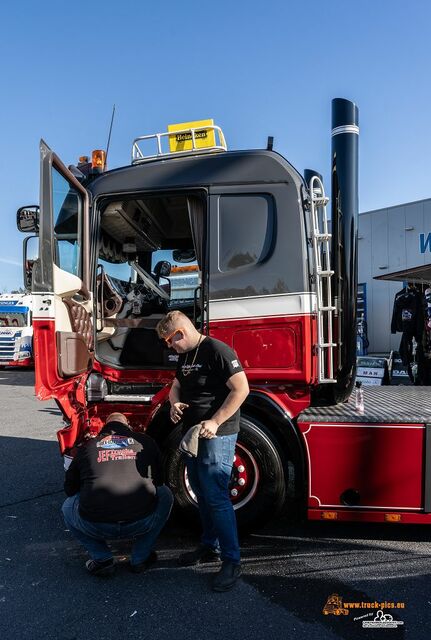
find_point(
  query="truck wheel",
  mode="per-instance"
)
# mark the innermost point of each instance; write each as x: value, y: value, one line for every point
x: 257, y: 484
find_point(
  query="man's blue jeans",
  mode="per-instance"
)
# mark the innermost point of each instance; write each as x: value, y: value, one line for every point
x: 93, y: 535
x: 209, y: 474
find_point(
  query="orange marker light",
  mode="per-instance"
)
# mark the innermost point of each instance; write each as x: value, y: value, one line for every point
x: 329, y: 515
x: 98, y: 159
x: 83, y: 159
x: 392, y: 517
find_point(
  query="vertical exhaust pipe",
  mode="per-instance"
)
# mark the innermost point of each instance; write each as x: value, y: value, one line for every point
x: 344, y: 258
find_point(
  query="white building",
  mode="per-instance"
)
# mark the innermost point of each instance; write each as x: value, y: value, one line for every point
x: 393, y: 243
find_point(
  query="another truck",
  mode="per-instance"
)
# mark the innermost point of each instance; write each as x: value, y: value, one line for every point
x: 16, y: 333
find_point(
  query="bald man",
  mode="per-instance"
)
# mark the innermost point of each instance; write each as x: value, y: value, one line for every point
x: 116, y: 491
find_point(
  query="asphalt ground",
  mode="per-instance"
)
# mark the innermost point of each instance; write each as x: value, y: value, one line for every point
x: 289, y: 570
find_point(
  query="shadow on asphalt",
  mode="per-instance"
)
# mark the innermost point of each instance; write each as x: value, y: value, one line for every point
x: 295, y: 566
x: 369, y: 531
x: 21, y: 377
x: 305, y: 599
x: 298, y: 567
x: 29, y: 468
x: 51, y: 410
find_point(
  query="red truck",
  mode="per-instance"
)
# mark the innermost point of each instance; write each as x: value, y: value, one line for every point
x: 270, y: 279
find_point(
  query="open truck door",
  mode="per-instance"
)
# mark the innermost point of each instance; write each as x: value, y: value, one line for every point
x: 63, y: 302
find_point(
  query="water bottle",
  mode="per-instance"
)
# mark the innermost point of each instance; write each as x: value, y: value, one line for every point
x: 359, y: 398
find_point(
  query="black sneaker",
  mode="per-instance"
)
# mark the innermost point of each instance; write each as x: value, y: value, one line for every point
x: 141, y: 567
x: 101, y: 569
x: 227, y: 576
x: 200, y: 555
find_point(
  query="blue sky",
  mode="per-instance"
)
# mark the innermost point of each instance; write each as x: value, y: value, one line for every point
x: 257, y: 68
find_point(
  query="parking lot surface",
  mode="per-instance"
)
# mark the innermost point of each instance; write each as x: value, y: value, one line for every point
x: 291, y: 572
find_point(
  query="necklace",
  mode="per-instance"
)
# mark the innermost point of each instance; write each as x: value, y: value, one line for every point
x: 189, y: 370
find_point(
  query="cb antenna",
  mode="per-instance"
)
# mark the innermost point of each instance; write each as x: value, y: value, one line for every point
x: 110, y: 131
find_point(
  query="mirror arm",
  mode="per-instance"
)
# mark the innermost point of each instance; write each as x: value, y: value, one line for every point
x: 102, y: 278
x: 84, y: 292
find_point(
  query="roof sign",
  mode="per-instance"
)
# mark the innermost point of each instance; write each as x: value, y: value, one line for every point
x: 183, y: 140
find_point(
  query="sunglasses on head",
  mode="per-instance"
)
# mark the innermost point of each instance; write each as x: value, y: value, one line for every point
x: 169, y: 338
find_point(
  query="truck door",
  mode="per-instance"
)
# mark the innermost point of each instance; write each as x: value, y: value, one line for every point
x: 63, y: 305
x: 260, y: 301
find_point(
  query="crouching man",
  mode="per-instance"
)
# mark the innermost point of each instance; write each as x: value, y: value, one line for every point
x: 116, y: 491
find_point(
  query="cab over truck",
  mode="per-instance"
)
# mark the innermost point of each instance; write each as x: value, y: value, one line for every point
x: 16, y: 334
x: 239, y: 241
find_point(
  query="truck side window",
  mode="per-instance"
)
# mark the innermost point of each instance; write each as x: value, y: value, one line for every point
x: 246, y: 230
x: 67, y: 205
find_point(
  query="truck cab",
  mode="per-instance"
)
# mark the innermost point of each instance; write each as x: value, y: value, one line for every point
x: 16, y: 333
x: 238, y: 241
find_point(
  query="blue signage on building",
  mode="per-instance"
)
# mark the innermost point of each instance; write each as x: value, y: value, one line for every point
x: 425, y: 242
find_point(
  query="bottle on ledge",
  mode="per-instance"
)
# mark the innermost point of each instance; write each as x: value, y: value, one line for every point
x: 359, y: 398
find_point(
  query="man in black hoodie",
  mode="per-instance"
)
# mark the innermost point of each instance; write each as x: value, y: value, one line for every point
x: 115, y: 488
x: 408, y: 318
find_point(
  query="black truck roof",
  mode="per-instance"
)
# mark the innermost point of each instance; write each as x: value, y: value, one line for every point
x: 223, y: 168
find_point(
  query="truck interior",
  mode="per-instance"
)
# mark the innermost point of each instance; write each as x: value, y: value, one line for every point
x: 150, y: 261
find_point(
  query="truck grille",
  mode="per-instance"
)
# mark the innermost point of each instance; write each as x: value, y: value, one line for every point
x: 7, y: 346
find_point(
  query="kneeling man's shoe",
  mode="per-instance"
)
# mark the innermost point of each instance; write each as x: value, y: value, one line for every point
x: 227, y: 576
x: 141, y: 567
x: 102, y: 568
x: 200, y: 555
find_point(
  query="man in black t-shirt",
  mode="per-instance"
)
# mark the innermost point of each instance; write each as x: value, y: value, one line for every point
x: 116, y: 490
x: 209, y: 388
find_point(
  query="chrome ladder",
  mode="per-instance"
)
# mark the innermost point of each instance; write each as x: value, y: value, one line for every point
x: 322, y: 277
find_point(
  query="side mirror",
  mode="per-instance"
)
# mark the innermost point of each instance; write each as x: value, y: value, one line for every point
x: 30, y: 255
x: 162, y: 269
x: 27, y: 219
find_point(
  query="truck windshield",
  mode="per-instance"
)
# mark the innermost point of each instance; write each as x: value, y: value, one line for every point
x: 13, y: 320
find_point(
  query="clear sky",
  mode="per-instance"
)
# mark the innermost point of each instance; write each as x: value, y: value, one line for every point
x: 257, y: 68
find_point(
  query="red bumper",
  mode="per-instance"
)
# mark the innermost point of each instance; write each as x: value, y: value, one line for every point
x: 27, y: 362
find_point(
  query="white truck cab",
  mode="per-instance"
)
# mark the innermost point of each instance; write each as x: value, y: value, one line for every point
x: 16, y: 333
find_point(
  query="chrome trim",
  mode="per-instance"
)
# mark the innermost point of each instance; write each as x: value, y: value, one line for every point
x: 345, y: 128
x: 128, y: 398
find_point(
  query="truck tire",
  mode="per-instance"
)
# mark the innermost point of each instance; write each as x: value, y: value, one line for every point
x: 257, y: 485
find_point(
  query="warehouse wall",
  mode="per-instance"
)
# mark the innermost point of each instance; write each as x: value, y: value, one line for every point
x: 389, y: 240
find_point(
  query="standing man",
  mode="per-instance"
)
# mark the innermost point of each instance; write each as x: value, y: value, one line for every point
x: 209, y: 388
x: 116, y: 491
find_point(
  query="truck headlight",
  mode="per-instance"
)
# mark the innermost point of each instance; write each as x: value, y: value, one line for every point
x: 96, y: 387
